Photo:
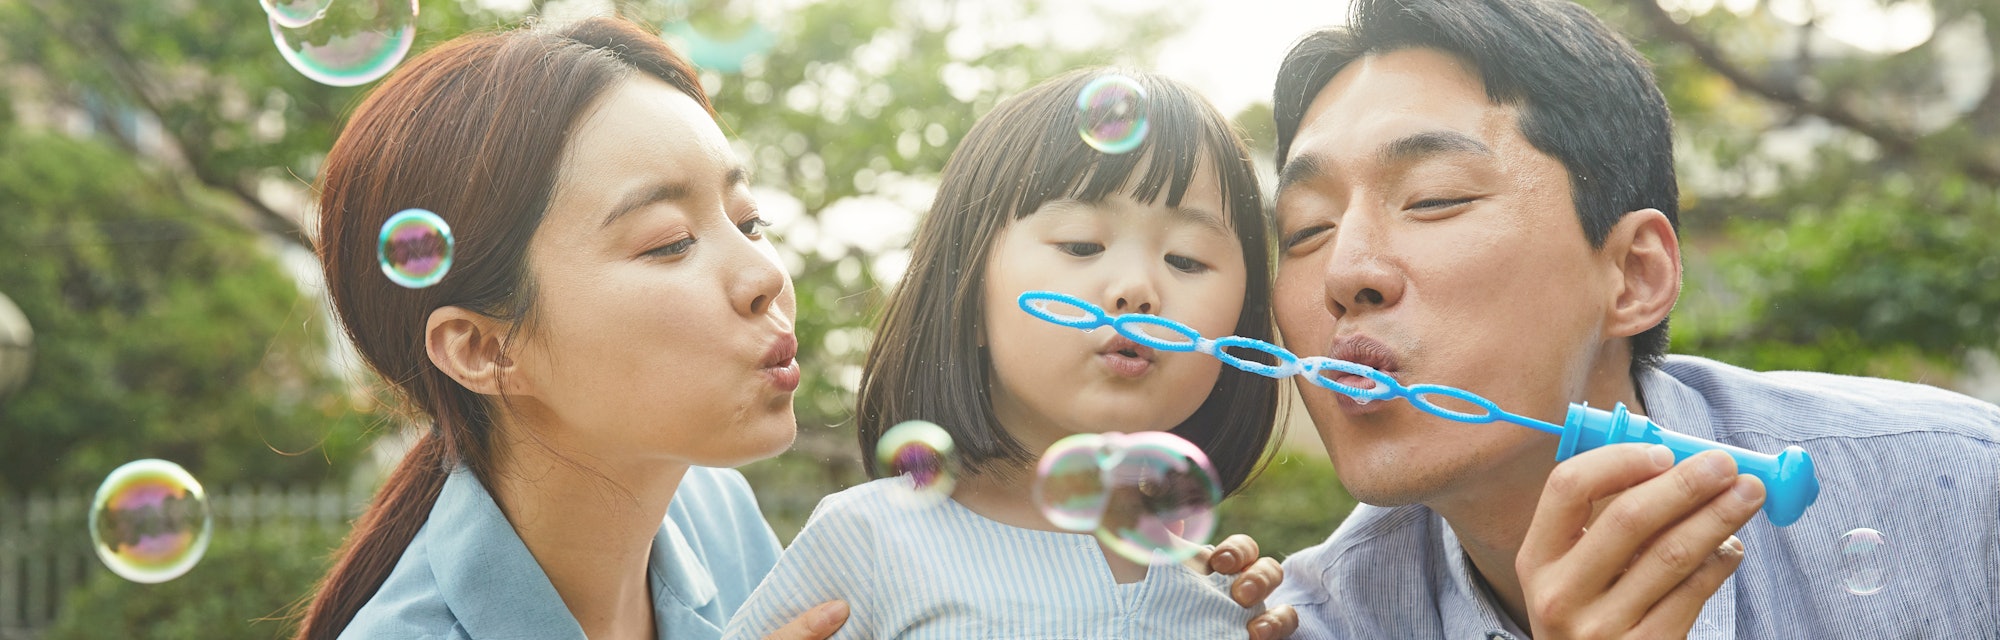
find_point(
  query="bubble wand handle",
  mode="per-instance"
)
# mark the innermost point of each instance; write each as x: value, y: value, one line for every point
x: 1789, y: 478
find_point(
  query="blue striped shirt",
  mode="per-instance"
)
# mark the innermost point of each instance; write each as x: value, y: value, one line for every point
x: 946, y: 572
x: 1919, y: 464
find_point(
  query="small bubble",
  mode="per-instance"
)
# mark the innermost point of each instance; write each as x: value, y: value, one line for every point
x: 150, y: 521
x: 920, y: 454
x: 354, y: 42
x: 1112, y: 114
x: 415, y: 248
x: 1864, y: 561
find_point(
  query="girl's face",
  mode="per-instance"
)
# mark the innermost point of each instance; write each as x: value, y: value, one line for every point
x: 662, y: 327
x: 1184, y: 263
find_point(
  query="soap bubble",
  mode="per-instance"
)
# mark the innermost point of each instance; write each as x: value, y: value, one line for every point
x: 1112, y: 114
x: 354, y: 43
x: 1069, y: 483
x: 1864, y: 561
x: 150, y: 521
x: 921, y: 455
x: 415, y: 248
x: 294, y: 13
x: 1140, y: 493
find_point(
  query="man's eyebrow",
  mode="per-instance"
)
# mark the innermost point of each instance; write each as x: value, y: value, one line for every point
x: 1301, y: 168
x: 667, y: 191
x: 1425, y: 144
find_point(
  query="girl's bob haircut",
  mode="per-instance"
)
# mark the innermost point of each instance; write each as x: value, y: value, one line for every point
x: 926, y: 364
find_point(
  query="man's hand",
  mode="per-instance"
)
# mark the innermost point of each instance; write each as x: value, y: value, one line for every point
x: 1645, y: 563
x: 817, y: 623
x: 1256, y: 578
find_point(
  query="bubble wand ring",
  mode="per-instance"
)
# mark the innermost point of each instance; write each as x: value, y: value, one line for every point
x: 1789, y: 477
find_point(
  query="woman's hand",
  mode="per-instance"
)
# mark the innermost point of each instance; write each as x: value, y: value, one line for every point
x: 817, y: 623
x: 1256, y: 578
x: 1643, y: 564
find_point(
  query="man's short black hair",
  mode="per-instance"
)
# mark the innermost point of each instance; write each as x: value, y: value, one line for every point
x: 1586, y: 98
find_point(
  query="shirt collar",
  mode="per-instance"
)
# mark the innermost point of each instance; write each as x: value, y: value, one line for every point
x: 485, y: 574
x: 683, y: 588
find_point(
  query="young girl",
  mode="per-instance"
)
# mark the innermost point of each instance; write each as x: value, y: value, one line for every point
x: 1172, y: 228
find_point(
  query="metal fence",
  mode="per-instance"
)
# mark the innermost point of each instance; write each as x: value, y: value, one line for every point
x: 45, y: 549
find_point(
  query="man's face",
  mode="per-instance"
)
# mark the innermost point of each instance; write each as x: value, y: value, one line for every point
x: 1421, y: 234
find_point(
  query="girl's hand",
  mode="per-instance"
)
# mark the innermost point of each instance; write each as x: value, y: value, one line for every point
x: 817, y: 623
x: 1645, y: 563
x: 1256, y: 578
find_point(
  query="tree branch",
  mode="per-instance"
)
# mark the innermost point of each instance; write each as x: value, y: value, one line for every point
x: 1893, y: 142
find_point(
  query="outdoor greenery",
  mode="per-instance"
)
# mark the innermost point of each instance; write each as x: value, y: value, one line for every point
x: 156, y: 162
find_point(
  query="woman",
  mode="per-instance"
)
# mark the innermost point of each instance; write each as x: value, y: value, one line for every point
x: 615, y: 331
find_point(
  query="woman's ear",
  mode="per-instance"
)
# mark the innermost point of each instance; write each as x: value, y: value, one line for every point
x: 1644, y: 256
x: 470, y: 347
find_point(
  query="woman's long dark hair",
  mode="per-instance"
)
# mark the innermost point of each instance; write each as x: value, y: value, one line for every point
x: 473, y: 130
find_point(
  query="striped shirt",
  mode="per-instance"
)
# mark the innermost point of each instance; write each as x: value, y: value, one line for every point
x: 946, y: 572
x: 1917, y: 463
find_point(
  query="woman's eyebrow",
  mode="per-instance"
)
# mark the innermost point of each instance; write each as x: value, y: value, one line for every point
x: 666, y: 191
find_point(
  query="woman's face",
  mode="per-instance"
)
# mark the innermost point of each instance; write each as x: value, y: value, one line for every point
x: 662, y: 320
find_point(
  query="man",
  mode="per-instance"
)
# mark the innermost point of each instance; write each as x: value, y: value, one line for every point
x: 1480, y: 194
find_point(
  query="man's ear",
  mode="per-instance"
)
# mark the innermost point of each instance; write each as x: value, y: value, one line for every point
x: 471, y: 347
x: 1643, y: 255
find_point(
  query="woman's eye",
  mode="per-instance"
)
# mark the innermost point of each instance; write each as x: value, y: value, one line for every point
x: 753, y: 227
x: 1186, y: 264
x: 674, y: 248
x: 1080, y: 249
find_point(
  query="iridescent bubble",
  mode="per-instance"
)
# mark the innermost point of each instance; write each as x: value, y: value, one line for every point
x: 150, y: 521
x: 921, y: 456
x: 1069, y: 483
x: 1864, y: 561
x: 1163, y: 494
x: 353, y: 43
x: 415, y: 248
x: 1111, y: 114
x: 294, y: 13
x: 1140, y: 493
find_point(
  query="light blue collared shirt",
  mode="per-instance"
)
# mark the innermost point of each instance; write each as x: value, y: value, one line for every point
x: 1917, y: 463
x: 468, y: 575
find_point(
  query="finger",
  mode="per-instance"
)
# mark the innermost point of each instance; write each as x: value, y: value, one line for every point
x: 1279, y: 622
x: 1233, y: 554
x: 1675, y: 614
x: 1639, y: 515
x: 1687, y: 547
x: 1256, y: 583
x: 1573, y: 487
x: 817, y: 623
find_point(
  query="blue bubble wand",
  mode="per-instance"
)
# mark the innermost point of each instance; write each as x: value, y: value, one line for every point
x: 1788, y: 476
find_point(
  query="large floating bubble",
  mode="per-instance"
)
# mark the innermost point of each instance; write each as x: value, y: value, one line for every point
x: 1864, y: 561
x: 150, y: 521
x: 294, y: 13
x: 1141, y: 493
x: 1111, y: 114
x: 921, y: 456
x: 354, y: 42
x: 415, y: 248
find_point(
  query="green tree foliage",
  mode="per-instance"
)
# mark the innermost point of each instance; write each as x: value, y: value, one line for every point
x: 161, y: 331
x: 1838, y: 200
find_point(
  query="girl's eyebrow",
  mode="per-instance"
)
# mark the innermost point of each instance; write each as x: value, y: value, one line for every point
x: 1203, y: 218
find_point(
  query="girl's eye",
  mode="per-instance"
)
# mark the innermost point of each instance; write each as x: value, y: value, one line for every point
x: 672, y: 249
x: 1080, y: 249
x: 753, y: 227
x: 1186, y: 264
